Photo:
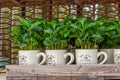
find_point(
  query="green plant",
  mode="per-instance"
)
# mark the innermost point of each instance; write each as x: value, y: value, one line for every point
x: 111, y: 34
x: 59, y: 33
x: 25, y: 34
x: 91, y: 33
x: 53, y: 38
x: 85, y: 35
x: 67, y: 30
x: 40, y: 30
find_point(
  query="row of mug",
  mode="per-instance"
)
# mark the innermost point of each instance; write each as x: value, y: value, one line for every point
x: 62, y: 57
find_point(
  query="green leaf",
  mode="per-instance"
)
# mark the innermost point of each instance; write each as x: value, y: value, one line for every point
x: 74, y: 26
x: 81, y: 20
x: 26, y: 37
x: 35, y: 24
x: 85, y: 36
x: 91, y: 25
x: 15, y: 30
x: 111, y: 27
x: 24, y: 22
x: 97, y: 37
x: 68, y: 19
x: 66, y: 33
x: 47, y: 41
x: 49, y: 31
x: 54, y: 23
x: 98, y: 22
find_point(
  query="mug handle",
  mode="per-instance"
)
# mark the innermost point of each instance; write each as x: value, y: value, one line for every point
x: 105, y: 57
x: 71, y: 58
x: 41, y: 54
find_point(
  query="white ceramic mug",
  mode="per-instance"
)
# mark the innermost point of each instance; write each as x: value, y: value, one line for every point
x: 89, y: 56
x: 117, y: 56
x: 110, y: 54
x: 29, y: 57
x: 57, y: 57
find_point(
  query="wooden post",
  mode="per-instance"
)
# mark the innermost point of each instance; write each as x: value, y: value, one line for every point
x: 79, y: 7
x: 46, y: 10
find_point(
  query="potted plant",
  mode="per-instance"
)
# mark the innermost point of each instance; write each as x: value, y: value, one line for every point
x: 56, y: 42
x: 87, y: 38
x: 112, y: 41
x: 26, y: 36
x: 111, y: 38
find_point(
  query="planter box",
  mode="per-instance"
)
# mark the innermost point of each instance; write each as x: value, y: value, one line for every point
x: 63, y: 72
